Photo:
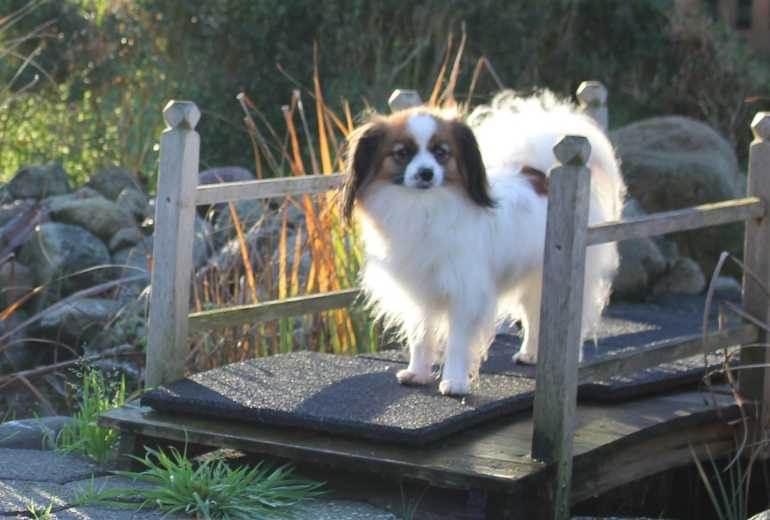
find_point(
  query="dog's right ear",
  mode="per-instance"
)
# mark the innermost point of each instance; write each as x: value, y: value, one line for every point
x: 360, y: 157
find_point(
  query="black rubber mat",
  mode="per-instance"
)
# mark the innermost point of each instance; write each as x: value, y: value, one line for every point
x: 360, y: 397
x: 351, y: 396
x: 624, y: 327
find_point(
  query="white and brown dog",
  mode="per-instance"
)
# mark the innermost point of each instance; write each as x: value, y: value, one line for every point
x: 453, y: 217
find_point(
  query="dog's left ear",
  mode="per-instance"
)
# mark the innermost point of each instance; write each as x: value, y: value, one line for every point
x: 471, y: 165
x: 360, y: 156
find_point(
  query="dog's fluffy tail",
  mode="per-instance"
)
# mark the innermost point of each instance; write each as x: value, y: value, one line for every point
x: 515, y: 131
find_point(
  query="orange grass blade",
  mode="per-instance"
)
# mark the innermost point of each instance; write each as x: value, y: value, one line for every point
x: 448, y: 97
x: 282, y: 255
x: 433, y: 101
x: 18, y: 303
x: 244, y: 253
x: 294, y: 286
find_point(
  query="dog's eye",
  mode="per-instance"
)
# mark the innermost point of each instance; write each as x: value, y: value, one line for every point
x: 401, y: 153
x: 441, y: 152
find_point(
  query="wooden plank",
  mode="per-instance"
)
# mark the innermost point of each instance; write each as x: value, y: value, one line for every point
x: 561, y: 315
x: 167, y: 346
x: 267, y: 188
x: 645, y: 434
x: 272, y: 310
x: 444, y: 465
x: 666, y: 351
x: 754, y: 383
x: 678, y: 220
x: 592, y: 96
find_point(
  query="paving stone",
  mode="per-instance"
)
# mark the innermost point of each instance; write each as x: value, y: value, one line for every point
x: 31, y: 434
x: 44, y: 466
x: 342, y: 510
x: 16, y: 496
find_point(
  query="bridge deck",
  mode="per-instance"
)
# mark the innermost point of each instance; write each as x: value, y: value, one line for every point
x: 614, y: 444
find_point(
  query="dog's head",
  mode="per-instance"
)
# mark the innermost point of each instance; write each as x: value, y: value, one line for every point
x: 417, y: 149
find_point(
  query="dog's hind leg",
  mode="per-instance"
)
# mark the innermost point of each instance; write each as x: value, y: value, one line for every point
x: 531, y: 296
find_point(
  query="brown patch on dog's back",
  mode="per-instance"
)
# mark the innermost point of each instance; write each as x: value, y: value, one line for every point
x: 537, y: 179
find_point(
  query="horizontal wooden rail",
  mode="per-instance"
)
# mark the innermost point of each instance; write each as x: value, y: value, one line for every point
x: 677, y: 220
x: 265, y: 189
x: 667, y: 351
x: 272, y: 310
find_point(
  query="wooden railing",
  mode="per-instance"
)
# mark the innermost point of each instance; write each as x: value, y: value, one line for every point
x: 567, y: 237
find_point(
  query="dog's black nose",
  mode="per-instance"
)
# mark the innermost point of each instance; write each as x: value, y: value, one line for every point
x: 425, y: 174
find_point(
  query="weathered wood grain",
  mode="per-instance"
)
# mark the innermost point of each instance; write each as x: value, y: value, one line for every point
x: 592, y: 97
x: 267, y: 188
x: 561, y: 315
x: 754, y: 383
x: 666, y: 352
x: 173, y: 245
x: 645, y: 435
x: 272, y: 310
x: 677, y: 220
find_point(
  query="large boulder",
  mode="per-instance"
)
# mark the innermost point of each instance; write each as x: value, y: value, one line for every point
x: 77, y: 321
x: 641, y: 261
x: 674, y: 162
x: 112, y: 180
x: 14, y: 208
x: 38, y: 182
x: 98, y: 215
x: 55, y: 251
x: 16, y: 354
x: 16, y: 280
x: 136, y: 202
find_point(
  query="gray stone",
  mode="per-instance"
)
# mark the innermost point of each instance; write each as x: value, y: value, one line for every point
x: 684, y: 277
x: 32, y: 434
x: 675, y: 162
x: 136, y: 202
x: 44, y: 466
x: 39, y: 182
x: 125, y: 238
x: 104, y: 513
x: 16, y: 496
x: 203, y: 242
x: 16, y: 280
x: 98, y: 215
x: 224, y: 174
x: 249, y: 213
x: 133, y: 261
x: 79, y: 320
x: 112, y: 180
x: 328, y: 509
x: 12, y: 208
x: 55, y: 250
x: 16, y: 354
x: 641, y: 261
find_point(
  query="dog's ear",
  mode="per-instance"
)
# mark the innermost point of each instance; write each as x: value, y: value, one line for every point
x: 471, y: 165
x: 360, y: 155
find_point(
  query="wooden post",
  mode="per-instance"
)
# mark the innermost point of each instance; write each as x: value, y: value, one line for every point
x: 561, y: 315
x: 402, y: 98
x: 167, y: 346
x: 754, y: 383
x: 592, y: 96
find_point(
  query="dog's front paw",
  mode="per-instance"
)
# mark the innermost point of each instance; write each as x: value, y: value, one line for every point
x: 409, y: 377
x: 524, y: 358
x: 454, y: 387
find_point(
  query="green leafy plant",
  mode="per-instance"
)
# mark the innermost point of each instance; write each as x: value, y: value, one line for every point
x: 726, y: 488
x: 83, y: 435
x: 212, y: 490
x: 40, y: 512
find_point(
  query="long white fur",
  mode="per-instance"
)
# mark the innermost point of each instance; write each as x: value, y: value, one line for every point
x: 444, y: 271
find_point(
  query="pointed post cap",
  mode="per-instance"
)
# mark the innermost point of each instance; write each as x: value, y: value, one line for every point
x: 760, y: 125
x: 573, y: 150
x: 591, y: 93
x: 403, y: 98
x: 181, y: 114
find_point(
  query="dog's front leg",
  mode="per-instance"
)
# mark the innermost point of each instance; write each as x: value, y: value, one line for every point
x: 421, y: 356
x: 470, y: 325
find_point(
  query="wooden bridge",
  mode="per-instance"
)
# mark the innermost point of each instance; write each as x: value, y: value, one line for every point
x: 528, y: 464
